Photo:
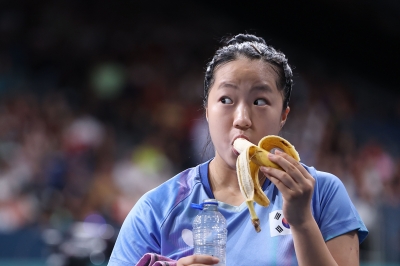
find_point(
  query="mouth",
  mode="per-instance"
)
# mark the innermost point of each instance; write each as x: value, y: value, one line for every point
x: 235, y: 151
x: 238, y: 137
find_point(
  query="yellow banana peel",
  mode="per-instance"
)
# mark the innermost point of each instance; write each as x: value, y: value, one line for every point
x: 247, y: 167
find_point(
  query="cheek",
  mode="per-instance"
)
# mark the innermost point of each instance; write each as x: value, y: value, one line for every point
x: 216, y: 127
x: 217, y: 116
x: 268, y: 124
x: 219, y: 127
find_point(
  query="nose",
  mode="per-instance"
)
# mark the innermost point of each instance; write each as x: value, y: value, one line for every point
x: 242, y: 118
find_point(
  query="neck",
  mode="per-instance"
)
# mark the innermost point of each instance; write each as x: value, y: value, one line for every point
x: 221, y: 176
x: 224, y: 184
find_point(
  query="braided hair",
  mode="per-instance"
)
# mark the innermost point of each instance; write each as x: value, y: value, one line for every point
x: 252, y: 47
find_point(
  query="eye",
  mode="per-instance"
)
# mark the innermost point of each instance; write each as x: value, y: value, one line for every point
x: 260, y: 102
x: 226, y: 100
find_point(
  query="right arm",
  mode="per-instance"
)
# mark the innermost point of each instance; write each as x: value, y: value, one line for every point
x: 140, y: 234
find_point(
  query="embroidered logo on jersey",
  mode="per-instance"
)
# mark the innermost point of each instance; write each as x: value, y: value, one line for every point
x: 278, y: 225
x: 187, y: 237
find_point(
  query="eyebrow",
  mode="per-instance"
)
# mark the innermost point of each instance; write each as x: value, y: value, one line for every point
x: 261, y: 87
x: 227, y: 85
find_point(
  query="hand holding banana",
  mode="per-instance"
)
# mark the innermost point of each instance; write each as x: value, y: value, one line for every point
x: 247, y: 167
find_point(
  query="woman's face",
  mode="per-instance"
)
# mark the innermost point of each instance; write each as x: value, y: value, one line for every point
x: 244, y: 101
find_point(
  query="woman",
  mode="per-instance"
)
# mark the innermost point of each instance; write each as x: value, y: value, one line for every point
x: 247, y: 89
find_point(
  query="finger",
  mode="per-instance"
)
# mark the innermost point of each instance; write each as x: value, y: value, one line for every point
x: 284, y: 184
x: 197, y: 260
x: 289, y: 165
x: 282, y: 176
x: 296, y: 163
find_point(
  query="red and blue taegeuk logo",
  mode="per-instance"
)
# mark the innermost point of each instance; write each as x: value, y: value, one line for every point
x: 285, y: 223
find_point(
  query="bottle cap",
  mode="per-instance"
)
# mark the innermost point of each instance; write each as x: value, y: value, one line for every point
x: 201, y: 205
x: 197, y: 206
x: 210, y: 201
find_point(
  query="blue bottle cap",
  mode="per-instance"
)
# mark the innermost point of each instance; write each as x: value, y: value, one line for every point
x: 201, y: 205
x: 196, y: 206
x: 210, y: 201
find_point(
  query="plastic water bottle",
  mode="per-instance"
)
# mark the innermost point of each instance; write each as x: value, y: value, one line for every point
x: 209, y: 231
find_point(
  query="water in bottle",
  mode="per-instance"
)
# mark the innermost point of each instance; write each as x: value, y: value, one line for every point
x: 209, y: 231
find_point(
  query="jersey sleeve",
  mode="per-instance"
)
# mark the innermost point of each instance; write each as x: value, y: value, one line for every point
x: 336, y: 214
x: 139, y: 234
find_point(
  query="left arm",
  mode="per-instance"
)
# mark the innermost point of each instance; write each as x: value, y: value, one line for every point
x: 311, y: 248
x: 297, y: 186
x: 345, y: 249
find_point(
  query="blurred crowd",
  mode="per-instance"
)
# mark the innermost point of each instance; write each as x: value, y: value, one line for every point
x: 92, y: 116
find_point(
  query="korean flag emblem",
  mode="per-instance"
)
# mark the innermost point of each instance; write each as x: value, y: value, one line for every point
x: 278, y: 225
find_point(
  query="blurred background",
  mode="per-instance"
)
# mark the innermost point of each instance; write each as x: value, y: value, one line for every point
x: 101, y: 101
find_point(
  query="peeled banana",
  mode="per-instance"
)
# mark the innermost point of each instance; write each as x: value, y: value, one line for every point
x: 247, y: 167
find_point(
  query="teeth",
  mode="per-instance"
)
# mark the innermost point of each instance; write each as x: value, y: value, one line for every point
x: 247, y: 166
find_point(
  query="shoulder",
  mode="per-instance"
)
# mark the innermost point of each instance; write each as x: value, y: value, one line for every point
x: 327, y: 185
x: 142, y: 231
x: 161, y: 200
x: 323, y: 179
x: 176, y: 188
x: 332, y: 207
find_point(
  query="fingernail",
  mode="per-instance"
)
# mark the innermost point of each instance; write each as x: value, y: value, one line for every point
x: 278, y: 151
x: 270, y: 155
x: 215, y: 260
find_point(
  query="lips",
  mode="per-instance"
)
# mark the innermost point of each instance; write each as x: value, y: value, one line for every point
x: 238, y: 137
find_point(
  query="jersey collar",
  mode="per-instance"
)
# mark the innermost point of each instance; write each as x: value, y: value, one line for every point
x: 206, y: 184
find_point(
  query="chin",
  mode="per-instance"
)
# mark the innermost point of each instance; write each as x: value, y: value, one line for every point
x: 228, y: 157
x: 231, y: 162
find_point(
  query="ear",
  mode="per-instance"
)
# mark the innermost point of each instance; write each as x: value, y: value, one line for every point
x: 284, y: 116
x: 207, y: 114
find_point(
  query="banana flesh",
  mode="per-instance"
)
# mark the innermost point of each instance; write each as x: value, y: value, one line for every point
x: 247, y: 167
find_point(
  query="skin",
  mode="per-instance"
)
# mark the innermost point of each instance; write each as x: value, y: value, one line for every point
x: 244, y: 101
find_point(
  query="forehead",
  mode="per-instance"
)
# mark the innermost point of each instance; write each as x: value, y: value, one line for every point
x: 243, y: 67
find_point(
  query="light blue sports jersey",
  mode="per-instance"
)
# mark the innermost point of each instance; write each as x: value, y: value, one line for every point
x: 161, y: 221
